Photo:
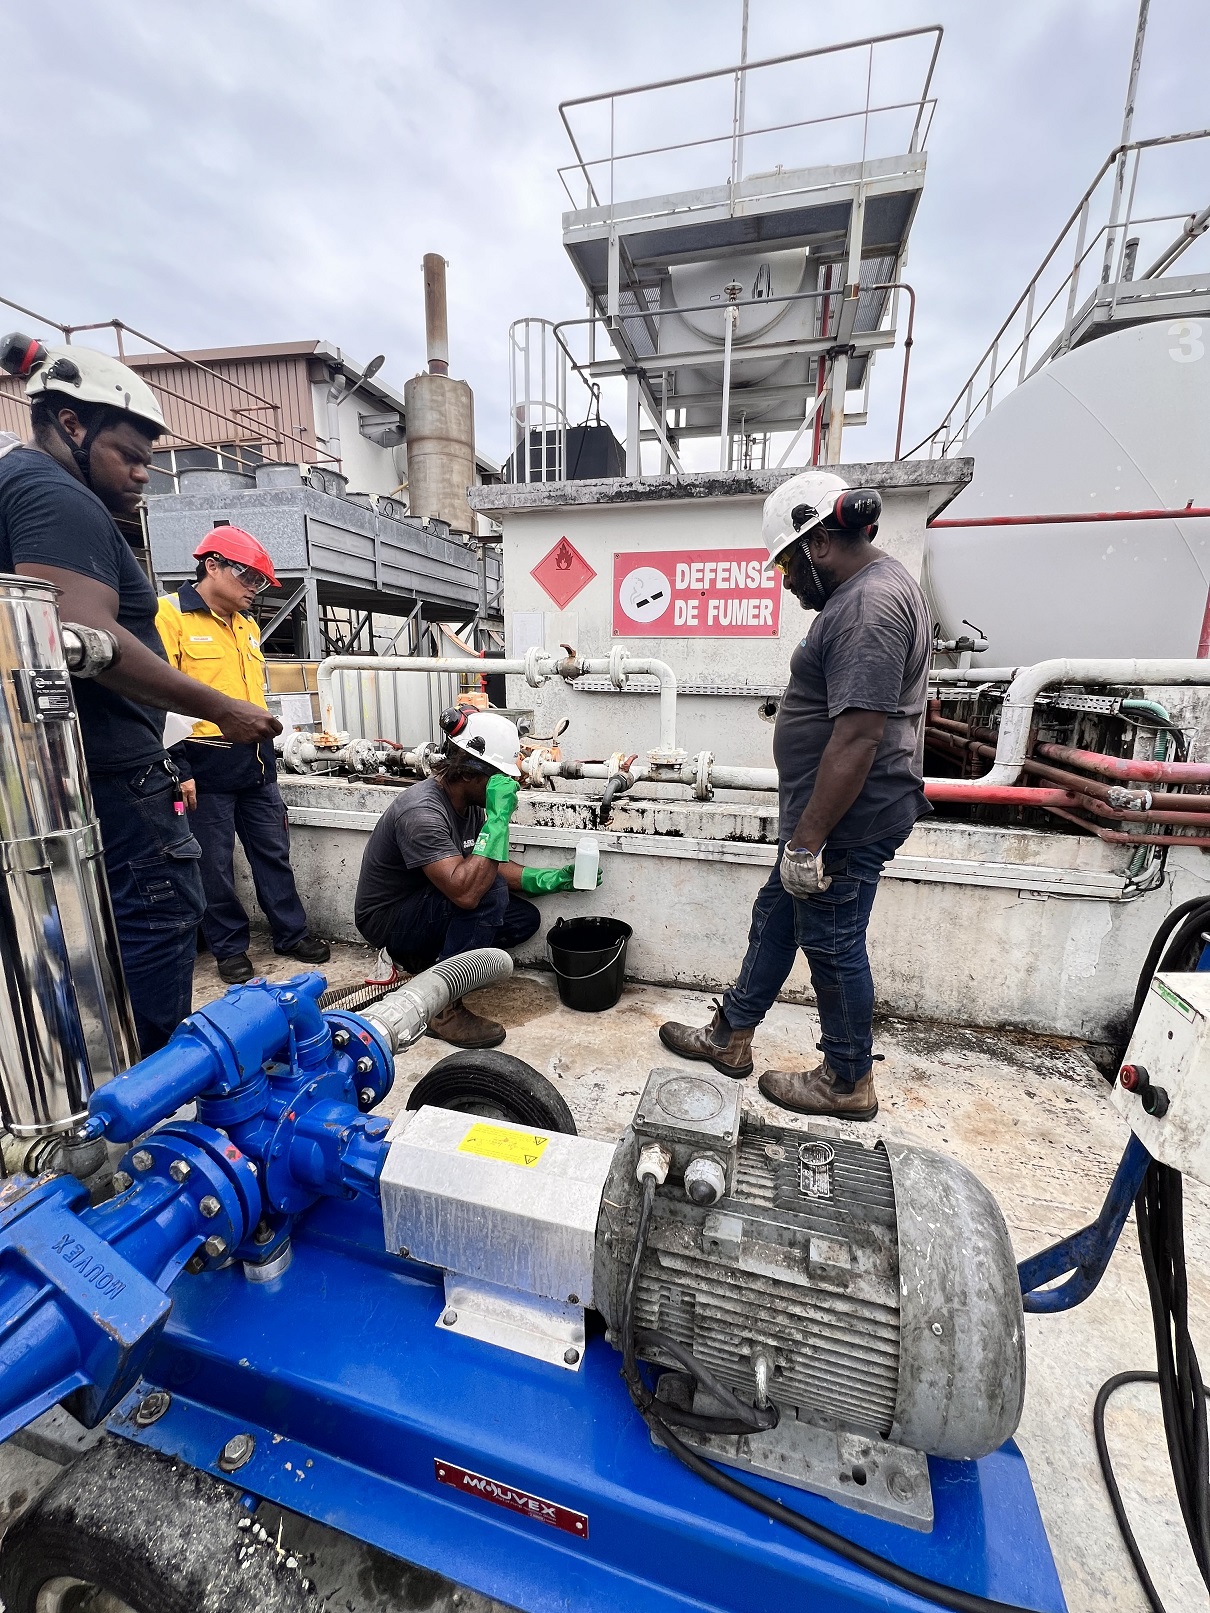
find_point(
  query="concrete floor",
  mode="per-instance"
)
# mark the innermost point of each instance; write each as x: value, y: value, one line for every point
x: 1031, y: 1117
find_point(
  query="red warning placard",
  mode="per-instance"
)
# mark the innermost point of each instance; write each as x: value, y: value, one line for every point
x: 696, y: 593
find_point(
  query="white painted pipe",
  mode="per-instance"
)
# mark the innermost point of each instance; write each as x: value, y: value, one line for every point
x: 974, y: 674
x: 399, y: 663
x: 1016, y: 717
x: 626, y: 665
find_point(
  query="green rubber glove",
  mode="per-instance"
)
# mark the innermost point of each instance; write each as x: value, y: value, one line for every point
x: 541, y: 881
x: 501, y: 804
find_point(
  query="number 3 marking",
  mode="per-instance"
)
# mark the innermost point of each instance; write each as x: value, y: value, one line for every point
x: 1189, y: 342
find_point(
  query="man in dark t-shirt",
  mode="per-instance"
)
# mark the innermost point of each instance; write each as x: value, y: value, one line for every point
x: 849, y: 746
x: 436, y: 876
x: 94, y: 421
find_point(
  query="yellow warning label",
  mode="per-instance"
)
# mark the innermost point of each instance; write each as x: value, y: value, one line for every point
x: 501, y: 1142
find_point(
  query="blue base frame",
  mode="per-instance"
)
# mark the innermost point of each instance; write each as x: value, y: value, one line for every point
x: 353, y: 1394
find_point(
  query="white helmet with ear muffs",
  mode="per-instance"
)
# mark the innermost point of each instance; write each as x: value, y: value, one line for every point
x: 817, y: 498
x: 815, y: 491
x: 485, y: 736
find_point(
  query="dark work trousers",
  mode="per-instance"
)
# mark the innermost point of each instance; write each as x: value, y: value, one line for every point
x: 830, y: 927
x: 427, y: 927
x: 258, y: 815
x: 151, y: 860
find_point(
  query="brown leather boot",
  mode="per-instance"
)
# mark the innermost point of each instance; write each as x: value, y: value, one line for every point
x: 457, y: 1024
x: 730, y: 1051
x: 814, y: 1092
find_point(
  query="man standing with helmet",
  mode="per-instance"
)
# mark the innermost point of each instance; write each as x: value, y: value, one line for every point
x: 230, y: 788
x: 94, y: 423
x: 436, y: 878
x: 849, y: 746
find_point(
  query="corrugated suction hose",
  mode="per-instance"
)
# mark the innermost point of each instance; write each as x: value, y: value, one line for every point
x: 403, y: 1015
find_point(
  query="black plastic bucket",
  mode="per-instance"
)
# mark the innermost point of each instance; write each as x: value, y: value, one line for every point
x: 588, y: 957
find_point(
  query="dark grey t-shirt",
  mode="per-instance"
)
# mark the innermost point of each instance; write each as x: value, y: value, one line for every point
x: 419, y: 827
x: 867, y: 650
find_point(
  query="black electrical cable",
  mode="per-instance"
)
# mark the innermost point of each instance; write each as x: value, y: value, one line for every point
x: 1159, y: 1216
x: 646, y: 1404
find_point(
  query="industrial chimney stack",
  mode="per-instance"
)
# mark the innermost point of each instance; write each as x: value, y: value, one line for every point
x: 440, y: 420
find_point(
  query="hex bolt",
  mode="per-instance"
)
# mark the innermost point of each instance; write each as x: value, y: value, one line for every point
x: 210, y: 1206
x: 366, y: 1097
x: 152, y: 1407
x: 449, y: 1318
x: 179, y: 1170
x: 214, y: 1246
x: 287, y: 997
x: 573, y: 1299
x: 194, y: 1264
x: 365, y: 1066
x: 121, y: 1181
x: 571, y: 1356
x: 340, y: 1037
x: 141, y: 1160
x: 236, y: 1452
x: 263, y: 1233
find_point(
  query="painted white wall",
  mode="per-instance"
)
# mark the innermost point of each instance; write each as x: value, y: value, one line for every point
x: 730, y: 726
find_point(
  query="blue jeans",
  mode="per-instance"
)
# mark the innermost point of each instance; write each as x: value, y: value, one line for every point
x: 151, y: 860
x: 258, y: 816
x: 830, y: 927
x: 427, y: 927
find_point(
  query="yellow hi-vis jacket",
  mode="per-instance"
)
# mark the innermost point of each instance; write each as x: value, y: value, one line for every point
x: 203, y: 646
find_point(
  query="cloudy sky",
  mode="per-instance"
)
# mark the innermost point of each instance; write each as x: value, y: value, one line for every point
x: 261, y: 170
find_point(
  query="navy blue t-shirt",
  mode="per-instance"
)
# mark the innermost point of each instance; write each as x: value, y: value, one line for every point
x: 48, y: 518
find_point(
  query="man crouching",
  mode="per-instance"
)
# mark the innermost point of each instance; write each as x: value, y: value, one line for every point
x: 436, y: 878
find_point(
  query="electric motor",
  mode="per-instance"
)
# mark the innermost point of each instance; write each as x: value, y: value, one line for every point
x: 863, y: 1288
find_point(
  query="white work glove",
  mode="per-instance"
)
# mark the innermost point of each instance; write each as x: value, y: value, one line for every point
x: 802, y: 872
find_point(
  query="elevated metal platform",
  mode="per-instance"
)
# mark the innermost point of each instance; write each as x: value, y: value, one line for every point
x: 753, y: 305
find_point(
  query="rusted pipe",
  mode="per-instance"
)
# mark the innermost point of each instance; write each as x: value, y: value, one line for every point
x: 1012, y: 795
x: 1125, y: 767
x: 1189, y: 513
x: 1120, y: 837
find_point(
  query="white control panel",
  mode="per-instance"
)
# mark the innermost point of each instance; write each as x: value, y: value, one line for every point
x: 1163, y: 1087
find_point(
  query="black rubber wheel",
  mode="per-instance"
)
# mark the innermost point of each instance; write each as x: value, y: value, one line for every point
x: 497, y: 1086
x: 127, y: 1531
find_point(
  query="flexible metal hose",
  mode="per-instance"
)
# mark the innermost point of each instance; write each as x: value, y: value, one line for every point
x: 403, y: 1015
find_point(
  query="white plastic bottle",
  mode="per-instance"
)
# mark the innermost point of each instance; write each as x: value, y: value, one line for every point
x: 588, y: 860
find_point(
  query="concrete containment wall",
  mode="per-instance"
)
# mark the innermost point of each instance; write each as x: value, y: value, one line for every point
x: 1019, y: 928
x: 710, y: 512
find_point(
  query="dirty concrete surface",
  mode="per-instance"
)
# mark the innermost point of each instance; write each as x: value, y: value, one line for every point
x: 1029, y: 1116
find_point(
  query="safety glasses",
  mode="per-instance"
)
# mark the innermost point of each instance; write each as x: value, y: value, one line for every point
x: 248, y: 574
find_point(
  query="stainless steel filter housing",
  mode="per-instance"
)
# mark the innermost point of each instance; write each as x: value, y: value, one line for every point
x: 66, y: 1024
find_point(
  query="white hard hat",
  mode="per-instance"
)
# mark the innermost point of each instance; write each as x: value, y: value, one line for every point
x: 488, y: 736
x: 83, y: 374
x: 818, y: 490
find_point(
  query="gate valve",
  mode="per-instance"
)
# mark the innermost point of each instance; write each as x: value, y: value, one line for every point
x: 1134, y: 1078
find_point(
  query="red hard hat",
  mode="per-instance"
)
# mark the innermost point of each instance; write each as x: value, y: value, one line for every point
x: 233, y: 543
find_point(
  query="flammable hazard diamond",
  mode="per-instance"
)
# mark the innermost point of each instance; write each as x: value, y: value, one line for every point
x: 563, y: 573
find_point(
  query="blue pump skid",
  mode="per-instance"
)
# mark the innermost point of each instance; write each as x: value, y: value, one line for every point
x: 535, y: 1485
x: 356, y: 1396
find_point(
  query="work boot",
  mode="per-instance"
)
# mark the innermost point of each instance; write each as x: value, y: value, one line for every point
x: 817, y: 1092
x: 730, y: 1051
x: 235, y: 970
x: 457, y: 1024
x: 309, y: 950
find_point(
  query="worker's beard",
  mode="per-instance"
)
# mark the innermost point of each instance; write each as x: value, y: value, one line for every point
x: 806, y: 583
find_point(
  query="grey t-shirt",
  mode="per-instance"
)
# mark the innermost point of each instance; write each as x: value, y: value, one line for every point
x: 419, y: 827
x: 867, y: 650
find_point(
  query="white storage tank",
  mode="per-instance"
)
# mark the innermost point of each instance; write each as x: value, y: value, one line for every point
x: 1122, y: 423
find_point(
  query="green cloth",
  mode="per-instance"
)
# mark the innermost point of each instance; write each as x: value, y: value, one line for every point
x: 500, y: 805
x: 540, y: 881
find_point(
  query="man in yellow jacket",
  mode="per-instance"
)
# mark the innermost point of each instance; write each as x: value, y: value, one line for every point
x: 232, y: 789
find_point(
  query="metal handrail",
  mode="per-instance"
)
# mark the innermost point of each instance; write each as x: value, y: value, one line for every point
x: 719, y: 139
x: 743, y: 68
x: 1078, y: 220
